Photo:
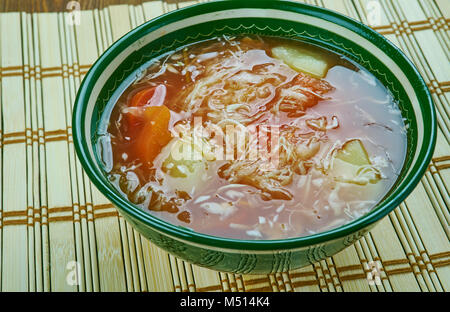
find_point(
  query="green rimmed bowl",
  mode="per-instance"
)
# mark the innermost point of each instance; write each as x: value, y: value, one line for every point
x: 120, y: 64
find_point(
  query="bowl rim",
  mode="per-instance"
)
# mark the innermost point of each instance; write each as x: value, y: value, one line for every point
x: 81, y: 147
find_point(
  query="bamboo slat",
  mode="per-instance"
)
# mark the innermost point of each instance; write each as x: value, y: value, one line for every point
x: 14, y: 174
x: 52, y: 217
x: 35, y: 259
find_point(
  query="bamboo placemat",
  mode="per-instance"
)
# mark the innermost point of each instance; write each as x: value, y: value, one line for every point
x: 51, y: 215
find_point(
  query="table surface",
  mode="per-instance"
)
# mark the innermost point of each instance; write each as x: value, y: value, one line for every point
x: 51, y: 215
x: 59, y: 5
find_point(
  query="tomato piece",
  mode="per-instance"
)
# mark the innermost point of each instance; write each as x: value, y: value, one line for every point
x: 153, y: 96
x: 142, y: 97
x: 155, y: 133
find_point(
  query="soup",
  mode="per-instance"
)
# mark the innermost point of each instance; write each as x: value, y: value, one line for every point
x: 253, y: 137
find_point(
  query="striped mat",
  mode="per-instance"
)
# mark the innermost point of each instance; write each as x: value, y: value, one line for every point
x: 53, y: 221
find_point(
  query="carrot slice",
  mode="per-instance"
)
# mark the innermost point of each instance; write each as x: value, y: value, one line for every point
x: 155, y: 134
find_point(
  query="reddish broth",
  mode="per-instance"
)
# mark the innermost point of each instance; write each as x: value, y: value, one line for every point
x: 237, y: 81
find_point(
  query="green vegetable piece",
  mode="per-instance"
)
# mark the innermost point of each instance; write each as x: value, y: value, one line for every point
x: 351, y: 164
x: 353, y: 152
x: 303, y: 60
x: 183, y: 172
x: 180, y: 163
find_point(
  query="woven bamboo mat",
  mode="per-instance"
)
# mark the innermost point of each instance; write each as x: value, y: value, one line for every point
x: 51, y: 215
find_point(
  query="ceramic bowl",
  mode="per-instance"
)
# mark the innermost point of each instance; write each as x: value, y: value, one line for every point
x: 120, y: 64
